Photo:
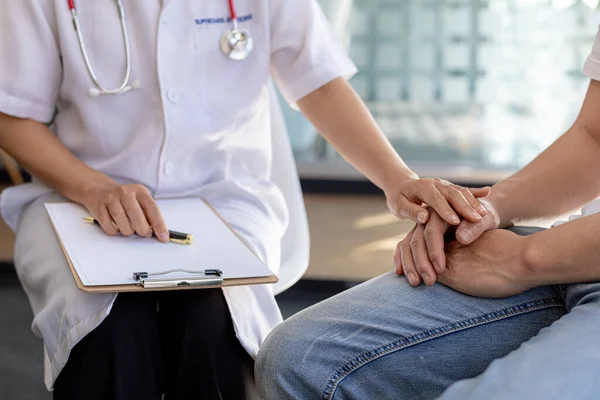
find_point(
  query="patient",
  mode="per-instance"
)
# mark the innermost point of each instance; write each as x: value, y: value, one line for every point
x: 515, y: 313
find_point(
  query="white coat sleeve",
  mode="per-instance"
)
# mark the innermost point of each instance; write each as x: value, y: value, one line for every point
x: 30, y: 68
x: 305, y: 54
x: 592, y: 65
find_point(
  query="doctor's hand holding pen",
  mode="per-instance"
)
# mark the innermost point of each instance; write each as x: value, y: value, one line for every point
x: 343, y: 119
x: 124, y: 209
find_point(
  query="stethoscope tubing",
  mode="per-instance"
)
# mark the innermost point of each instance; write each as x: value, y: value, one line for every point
x: 229, y: 48
x: 125, y: 86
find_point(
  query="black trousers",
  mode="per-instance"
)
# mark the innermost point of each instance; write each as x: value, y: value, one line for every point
x: 179, y: 343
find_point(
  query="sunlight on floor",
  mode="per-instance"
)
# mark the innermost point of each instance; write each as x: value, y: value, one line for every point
x: 365, y: 252
x: 373, y: 221
x: 352, y: 237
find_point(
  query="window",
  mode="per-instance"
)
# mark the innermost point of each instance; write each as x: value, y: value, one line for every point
x: 470, y: 90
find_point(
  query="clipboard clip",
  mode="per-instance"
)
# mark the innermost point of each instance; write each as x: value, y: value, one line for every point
x: 209, y: 277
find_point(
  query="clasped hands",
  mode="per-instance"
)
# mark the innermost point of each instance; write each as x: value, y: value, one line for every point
x: 471, y: 256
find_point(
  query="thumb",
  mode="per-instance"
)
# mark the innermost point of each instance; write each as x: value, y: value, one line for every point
x: 468, y: 232
x: 406, y: 209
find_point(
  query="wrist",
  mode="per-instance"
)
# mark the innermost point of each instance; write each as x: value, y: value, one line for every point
x: 530, y: 261
x: 396, y: 178
x: 84, y: 193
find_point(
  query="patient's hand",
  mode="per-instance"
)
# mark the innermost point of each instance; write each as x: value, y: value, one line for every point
x: 420, y: 255
x: 492, y: 266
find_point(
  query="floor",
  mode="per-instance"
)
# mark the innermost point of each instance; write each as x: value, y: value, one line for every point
x: 21, y: 361
x: 352, y: 239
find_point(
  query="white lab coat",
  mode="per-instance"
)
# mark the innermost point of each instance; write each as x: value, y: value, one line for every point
x: 198, y: 126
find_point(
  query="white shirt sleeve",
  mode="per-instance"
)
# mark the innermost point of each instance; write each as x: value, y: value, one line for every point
x: 30, y: 69
x: 592, y: 65
x: 305, y: 54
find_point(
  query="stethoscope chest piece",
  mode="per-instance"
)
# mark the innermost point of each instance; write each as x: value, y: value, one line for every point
x: 236, y: 44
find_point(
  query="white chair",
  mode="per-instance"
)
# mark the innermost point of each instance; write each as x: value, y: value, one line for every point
x: 295, y: 247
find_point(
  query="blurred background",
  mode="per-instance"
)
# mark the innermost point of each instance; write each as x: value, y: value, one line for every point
x: 470, y: 90
x: 466, y: 90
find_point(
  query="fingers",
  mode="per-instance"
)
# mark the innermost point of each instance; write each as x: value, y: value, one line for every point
x: 136, y: 215
x: 467, y: 232
x: 128, y: 209
x: 408, y: 264
x: 434, y: 241
x: 119, y: 216
x: 439, y: 202
x: 420, y: 256
x: 398, y: 260
x: 412, y: 211
x: 473, y: 202
x: 448, y: 200
x: 458, y: 201
x: 480, y: 192
x: 154, y: 216
x: 106, y: 222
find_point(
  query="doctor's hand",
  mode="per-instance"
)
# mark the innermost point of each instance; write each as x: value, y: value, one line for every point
x: 408, y: 198
x: 420, y: 255
x: 126, y: 209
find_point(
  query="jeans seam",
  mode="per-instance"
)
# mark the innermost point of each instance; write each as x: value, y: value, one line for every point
x: 371, y: 355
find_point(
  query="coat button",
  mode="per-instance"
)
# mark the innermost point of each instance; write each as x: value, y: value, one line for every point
x: 169, y: 168
x: 173, y: 96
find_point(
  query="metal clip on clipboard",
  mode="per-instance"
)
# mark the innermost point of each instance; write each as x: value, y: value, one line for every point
x: 208, y: 277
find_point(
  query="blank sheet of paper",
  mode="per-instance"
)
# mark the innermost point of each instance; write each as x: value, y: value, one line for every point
x: 100, y: 259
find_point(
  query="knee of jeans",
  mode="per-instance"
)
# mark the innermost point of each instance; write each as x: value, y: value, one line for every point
x: 277, y: 371
x: 273, y: 362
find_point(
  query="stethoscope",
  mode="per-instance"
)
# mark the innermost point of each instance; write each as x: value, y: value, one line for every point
x: 235, y: 43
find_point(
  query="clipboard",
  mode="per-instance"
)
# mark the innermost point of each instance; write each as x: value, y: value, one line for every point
x: 159, y: 279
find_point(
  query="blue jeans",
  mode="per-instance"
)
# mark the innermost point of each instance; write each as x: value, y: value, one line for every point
x: 386, y: 340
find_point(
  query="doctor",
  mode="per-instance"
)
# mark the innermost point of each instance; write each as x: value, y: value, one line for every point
x: 112, y: 104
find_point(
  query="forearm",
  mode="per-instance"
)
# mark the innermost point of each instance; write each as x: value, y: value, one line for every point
x: 562, y: 178
x: 44, y: 156
x: 565, y: 254
x: 341, y: 117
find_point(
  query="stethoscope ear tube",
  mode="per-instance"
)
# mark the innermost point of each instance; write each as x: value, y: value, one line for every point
x: 235, y: 43
x: 100, y: 89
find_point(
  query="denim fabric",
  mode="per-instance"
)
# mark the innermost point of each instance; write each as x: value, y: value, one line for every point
x: 561, y: 362
x: 386, y: 340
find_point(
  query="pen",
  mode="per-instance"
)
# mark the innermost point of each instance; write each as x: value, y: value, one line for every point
x: 175, y: 237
